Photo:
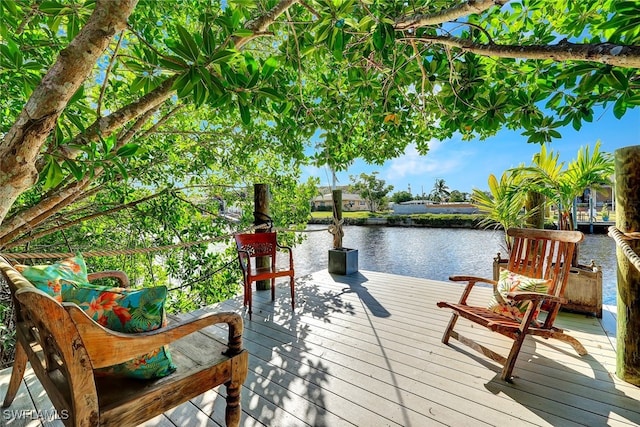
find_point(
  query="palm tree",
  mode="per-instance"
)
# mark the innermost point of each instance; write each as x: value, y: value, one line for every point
x: 547, y: 177
x: 440, y: 191
x: 504, y: 204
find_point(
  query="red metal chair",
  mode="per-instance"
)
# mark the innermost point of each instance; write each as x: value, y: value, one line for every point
x: 252, y: 250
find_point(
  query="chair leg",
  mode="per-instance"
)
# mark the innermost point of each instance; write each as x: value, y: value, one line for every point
x: 513, y: 356
x: 577, y: 346
x: 447, y: 332
x: 292, y: 285
x: 233, y: 410
x: 273, y: 289
x: 249, y: 297
x: 245, y: 300
x: 239, y: 368
x: 17, y: 373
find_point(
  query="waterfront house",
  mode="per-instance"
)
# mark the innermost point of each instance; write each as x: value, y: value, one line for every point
x: 351, y: 202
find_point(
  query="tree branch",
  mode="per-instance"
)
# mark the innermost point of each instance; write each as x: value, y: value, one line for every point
x: 128, y: 134
x: 163, y: 120
x: 69, y: 224
x: 604, y: 53
x: 45, y: 208
x: 22, y: 144
x: 106, y: 125
x: 451, y: 14
x: 261, y: 23
x: 106, y: 75
x: 39, y: 124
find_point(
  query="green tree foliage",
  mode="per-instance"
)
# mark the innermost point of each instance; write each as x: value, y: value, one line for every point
x: 503, y: 205
x: 562, y: 185
x: 440, y: 191
x: 373, y: 190
x: 191, y: 102
x: 401, y: 196
x: 458, y: 196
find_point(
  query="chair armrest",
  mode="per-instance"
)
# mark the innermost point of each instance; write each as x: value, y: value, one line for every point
x: 244, y: 257
x: 289, y: 250
x: 534, y: 296
x: 471, y: 282
x: 121, y: 276
x: 472, y: 279
x: 106, y: 347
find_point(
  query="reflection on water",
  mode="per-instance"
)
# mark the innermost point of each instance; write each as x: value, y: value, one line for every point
x: 437, y: 253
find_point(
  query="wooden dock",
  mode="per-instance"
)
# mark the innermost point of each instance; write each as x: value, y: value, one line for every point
x: 365, y: 350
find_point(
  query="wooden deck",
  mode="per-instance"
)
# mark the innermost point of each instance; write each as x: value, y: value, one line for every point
x: 365, y: 350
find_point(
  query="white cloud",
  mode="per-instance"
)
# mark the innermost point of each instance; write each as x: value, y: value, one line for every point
x: 412, y: 163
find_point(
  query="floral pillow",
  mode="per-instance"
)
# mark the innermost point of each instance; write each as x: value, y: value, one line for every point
x: 128, y: 311
x: 118, y: 309
x: 513, y: 282
x: 52, y: 278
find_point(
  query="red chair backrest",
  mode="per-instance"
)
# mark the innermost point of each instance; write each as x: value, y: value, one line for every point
x: 258, y: 244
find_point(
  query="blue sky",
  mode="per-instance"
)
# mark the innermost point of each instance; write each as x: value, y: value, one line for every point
x: 465, y: 165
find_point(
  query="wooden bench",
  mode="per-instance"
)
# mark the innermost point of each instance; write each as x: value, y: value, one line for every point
x: 65, y: 346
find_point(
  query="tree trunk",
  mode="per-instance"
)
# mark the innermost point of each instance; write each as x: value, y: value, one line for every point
x: 337, y: 218
x: 261, y: 216
x: 23, y: 142
x: 535, y: 203
x: 627, y: 164
x: 62, y: 197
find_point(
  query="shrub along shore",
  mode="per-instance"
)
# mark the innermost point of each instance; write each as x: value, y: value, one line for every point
x: 431, y: 220
x: 416, y: 220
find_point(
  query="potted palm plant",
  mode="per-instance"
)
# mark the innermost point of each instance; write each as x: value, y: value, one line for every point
x: 341, y: 260
x: 561, y: 186
x: 504, y: 204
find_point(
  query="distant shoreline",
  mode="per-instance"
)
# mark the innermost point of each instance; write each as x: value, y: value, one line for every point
x: 405, y: 221
x: 471, y: 221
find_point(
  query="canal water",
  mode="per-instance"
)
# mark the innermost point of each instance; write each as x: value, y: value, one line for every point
x: 437, y: 253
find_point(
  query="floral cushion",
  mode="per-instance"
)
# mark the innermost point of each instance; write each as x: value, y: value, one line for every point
x: 129, y: 311
x: 513, y: 282
x: 118, y: 309
x: 52, y: 278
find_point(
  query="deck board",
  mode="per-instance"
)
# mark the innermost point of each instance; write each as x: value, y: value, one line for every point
x: 365, y: 350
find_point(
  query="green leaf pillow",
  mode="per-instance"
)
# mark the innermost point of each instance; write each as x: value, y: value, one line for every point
x: 513, y: 282
x: 128, y: 311
x: 118, y: 309
x: 52, y: 278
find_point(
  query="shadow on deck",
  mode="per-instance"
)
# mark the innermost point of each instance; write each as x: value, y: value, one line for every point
x: 365, y: 350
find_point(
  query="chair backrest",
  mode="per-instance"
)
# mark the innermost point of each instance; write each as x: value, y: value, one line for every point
x: 256, y: 245
x: 544, y: 254
x: 62, y: 365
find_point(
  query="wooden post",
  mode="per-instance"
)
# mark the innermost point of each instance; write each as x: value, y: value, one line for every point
x: 627, y: 187
x: 261, y: 216
x: 337, y: 218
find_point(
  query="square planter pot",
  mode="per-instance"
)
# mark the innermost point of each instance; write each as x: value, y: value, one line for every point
x: 584, y: 290
x: 343, y: 261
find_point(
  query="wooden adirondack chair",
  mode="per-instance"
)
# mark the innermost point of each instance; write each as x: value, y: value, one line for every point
x: 65, y: 347
x: 535, y: 253
x: 250, y: 248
